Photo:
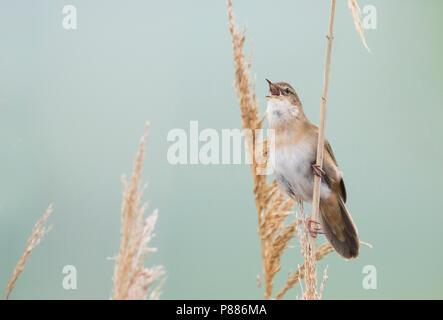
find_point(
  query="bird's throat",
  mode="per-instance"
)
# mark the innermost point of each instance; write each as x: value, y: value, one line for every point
x: 281, y: 113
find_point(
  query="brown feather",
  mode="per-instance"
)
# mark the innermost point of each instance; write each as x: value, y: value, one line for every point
x: 339, y: 227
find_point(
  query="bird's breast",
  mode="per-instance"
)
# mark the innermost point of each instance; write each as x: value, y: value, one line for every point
x: 292, y: 165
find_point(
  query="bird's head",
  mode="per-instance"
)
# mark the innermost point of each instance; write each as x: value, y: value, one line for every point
x: 283, y: 91
x: 283, y: 102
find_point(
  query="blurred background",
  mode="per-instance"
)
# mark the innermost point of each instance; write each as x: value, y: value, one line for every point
x: 73, y: 105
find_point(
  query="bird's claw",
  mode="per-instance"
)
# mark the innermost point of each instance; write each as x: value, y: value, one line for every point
x: 313, y: 231
x: 318, y: 171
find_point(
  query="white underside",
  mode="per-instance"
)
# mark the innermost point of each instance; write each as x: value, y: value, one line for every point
x: 292, y: 164
x: 293, y: 170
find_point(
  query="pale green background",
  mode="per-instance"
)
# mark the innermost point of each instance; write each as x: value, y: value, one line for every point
x: 73, y: 106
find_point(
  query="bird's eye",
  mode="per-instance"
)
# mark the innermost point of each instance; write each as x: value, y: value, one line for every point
x: 287, y: 91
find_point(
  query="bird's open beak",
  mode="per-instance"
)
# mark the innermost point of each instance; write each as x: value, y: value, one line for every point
x: 273, y: 89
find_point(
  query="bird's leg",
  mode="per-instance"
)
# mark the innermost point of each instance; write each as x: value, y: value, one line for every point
x: 313, y: 231
x: 318, y: 171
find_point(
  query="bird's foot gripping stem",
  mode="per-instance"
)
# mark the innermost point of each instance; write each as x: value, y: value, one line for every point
x: 318, y: 171
x: 313, y: 231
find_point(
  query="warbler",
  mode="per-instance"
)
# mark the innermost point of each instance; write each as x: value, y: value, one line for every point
x: 294, y: 166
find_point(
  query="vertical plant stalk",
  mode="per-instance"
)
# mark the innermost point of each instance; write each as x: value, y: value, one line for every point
x: 321, y: 134
x: 37, y: 234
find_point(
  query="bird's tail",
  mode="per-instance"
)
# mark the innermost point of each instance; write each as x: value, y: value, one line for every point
x: 339, y: 228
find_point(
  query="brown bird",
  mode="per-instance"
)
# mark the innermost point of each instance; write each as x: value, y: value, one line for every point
x: 294, y: 165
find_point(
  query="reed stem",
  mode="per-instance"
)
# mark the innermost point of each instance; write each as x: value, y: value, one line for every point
x: 321, y: 128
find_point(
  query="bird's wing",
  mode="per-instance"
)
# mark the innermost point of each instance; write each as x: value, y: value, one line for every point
x: 332, y: 171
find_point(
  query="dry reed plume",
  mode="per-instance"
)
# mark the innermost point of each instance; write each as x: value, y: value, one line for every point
x: 272, y: 207
x: 356, y: 14
x: 37, y: 234
x: 308, y: 251
x: 131, y: 279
